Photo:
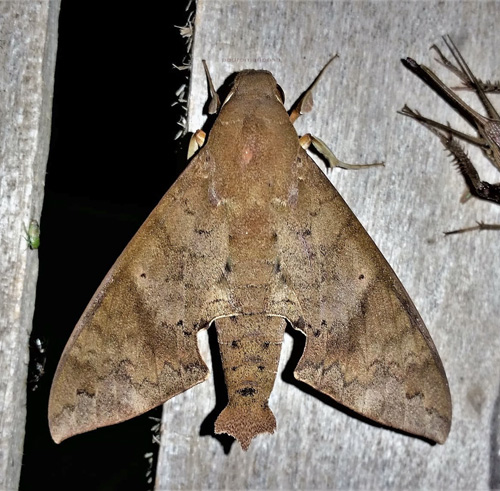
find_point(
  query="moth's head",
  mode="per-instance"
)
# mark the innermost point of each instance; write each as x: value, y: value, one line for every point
x: 256, y: 84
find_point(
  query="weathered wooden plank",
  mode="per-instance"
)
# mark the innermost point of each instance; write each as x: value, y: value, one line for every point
x: 28, y: 41
x: 405, y: 207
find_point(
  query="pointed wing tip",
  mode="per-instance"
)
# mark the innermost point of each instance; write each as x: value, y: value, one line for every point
x: 440, y: 435
x: 57, y: 435
x: 441, y: 439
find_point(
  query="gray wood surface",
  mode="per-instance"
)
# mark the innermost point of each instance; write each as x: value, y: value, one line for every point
x: 405, y: 207
x: 28, y: 40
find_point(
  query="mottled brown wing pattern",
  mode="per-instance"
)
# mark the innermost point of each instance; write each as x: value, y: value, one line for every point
x: 135, y: 345
x: 251, y: 233
x: 367, y: 346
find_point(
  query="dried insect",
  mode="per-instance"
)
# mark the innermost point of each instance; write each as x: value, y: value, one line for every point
x: 487, y: 128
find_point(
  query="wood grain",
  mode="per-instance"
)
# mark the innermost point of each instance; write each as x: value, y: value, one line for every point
x: 28, y: 44
x: 405, y: 207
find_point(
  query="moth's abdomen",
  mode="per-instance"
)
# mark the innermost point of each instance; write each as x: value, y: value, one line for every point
x: 250, y: 347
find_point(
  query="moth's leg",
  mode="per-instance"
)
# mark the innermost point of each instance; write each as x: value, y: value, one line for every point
x: 304, y: 105
x: 196, y: 142
x: 306, y: 102
x: 479, y: 226
x: 198, y: 138
x: 214, y: 104
x: 332, y: 161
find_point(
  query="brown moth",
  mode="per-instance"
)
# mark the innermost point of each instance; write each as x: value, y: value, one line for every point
x: 251, y: 236
x: 486, y: 127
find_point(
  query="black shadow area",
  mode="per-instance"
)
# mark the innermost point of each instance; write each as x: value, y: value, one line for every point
x: 112, y: 157
x: 221, y: 399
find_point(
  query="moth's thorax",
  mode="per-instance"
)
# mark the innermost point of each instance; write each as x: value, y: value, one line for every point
x: 254, y: 148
